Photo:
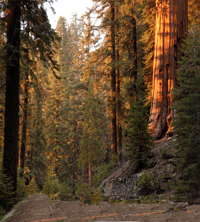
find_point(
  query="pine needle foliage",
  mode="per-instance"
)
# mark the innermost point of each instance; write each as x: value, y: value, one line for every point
x: 90, y: 144
x: 187, y: 122
x: 139, y: 139
x: 6, y: 192
x: 91, y: 128
x: 147, y: 28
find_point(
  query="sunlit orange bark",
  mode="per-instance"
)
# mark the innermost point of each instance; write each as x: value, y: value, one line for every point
x: 90, y: 174
x: 171, y: 29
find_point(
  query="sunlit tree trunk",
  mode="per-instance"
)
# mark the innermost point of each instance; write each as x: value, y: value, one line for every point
x: 90, y: 174
x: 24, y: 126
x: 171, y: 29
x: 25, y: 111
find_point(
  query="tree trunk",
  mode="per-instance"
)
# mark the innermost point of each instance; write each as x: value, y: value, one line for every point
x: 118, y: 101
x: 25, y: 117
x: 133, y: 54
x: 113, y: 84
x: 119, y: 121
x: 11, y: 129
x: 90, y: 174
x: 171, y: 29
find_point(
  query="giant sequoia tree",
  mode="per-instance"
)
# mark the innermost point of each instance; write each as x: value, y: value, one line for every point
x: 171, y: 29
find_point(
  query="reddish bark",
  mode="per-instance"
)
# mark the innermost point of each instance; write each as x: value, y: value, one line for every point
x: 90, y: 174
x: 25, y: 118
x: 171, y: 29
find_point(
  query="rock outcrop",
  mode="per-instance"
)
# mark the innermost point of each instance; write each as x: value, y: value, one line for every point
x: 122, y: 183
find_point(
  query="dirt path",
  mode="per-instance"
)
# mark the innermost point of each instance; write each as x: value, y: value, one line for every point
x: 38, y: 208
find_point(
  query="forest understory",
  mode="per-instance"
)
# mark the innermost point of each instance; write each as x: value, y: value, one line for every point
x: 83, y: 107
x: 158, y: 204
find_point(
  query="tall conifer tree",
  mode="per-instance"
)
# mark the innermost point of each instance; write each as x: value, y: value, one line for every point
x: 139, y: 139
x: 90, y: 144
x: 11, y: 129
x: 187, y: 121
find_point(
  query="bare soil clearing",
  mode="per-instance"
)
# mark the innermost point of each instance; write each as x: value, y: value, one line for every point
x: 38, y: 208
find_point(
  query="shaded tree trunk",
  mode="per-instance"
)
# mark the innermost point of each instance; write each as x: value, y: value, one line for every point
x: 133, y: 49
x: 171, y: 29
x: 11, y: 130
x: 119, y: 120
x: 113, y: 83
x: 118, y: 99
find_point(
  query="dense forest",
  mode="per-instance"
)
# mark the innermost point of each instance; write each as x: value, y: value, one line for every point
x: 80, y: 101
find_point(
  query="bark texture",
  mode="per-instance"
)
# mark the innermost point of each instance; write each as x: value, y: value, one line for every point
x: 24, y: 129
x: 113, y: 83
x: 11, y: 129
x: 171, y: 30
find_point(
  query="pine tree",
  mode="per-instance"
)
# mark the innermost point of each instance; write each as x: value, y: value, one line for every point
x: 187, y: 122
x: 104, y: 58
x: 90, y: 144
x: 64, y: 108
x: 37, y: 41
x: 139, y: 139
x: 36, y: 159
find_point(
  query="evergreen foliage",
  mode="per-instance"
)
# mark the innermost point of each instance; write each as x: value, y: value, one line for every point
x: 146, y: 22
x: 139, y: 139
x: 7, y: 198
x: 57, y: 190
x: 33, y: 187
x: 80, y: 77
x: 187, y: 122
x: 66, y: 99
x: 90, y: 144
x: 64, y: 192
x: 36, y: 160
x: 22, y: 190
x: 87, y: 194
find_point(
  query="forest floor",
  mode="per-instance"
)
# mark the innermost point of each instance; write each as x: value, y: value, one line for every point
x: 38, y: 208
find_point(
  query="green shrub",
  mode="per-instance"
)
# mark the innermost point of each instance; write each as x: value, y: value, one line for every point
x: 164, y: 152
x: 148, y: 200
x: 22, y: 190
x: 148, y: 182
x: 64, y: 192
x: 184, y: 190
x: 50, y: 187
x: 87, y: 194
x: 33, y: 187
x: 97, y: 197
x: 103, y: 172
x: 145, y: 181
x: 7, y: 199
